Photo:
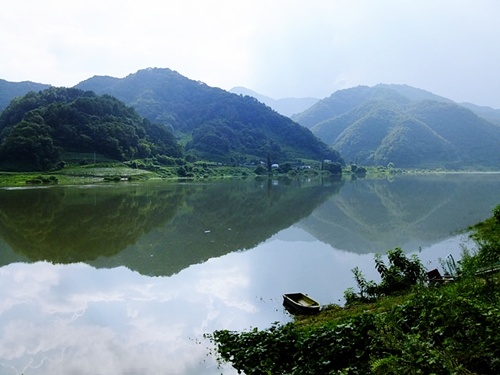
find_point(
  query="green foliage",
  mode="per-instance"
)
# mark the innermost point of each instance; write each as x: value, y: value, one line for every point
x: 11, y: 90
x: 260, y: 170
x: 375, y: 125
x: 333, y: 168
x: 284, y: 349
x: 496, y: 213
x: 258, y: 352
x: 29, y: 145
x: 487, y: 237
x: 216, y: 125
x: 400, y: 275
x: 51, y: 180
x: 37, y: 128
x: 286, y: 167
x: 441, y: 331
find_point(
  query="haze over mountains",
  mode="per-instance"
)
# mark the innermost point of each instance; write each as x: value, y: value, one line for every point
x: 285, y: 106
x: 398, y: 124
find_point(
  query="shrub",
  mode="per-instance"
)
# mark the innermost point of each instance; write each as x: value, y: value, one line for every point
x: 496, y: 213
x: 401, y: 274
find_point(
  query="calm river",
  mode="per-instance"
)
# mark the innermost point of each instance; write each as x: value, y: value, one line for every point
x: 126, y: 279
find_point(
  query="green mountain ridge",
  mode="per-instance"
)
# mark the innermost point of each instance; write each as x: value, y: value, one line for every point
x: 11, y: 90
x: 212, y: 123
x: 408, y: 127
x: 386, y: 123
x: 209, y: 123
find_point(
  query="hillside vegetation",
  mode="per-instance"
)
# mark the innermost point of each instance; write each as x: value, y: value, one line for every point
x: 38, y: 128
x: 408, y: 127
x: 212, y: 123
x: 11, y: 90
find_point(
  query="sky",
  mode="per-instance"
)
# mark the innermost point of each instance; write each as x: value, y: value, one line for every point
x: 278, y: 48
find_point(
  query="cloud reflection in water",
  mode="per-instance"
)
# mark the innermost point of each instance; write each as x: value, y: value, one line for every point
x: 75, y: 319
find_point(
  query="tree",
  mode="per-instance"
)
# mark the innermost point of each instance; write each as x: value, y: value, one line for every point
x: 30, y: 144
x: 260, y: 170
x: 333, y: 168
x: 286, y: 167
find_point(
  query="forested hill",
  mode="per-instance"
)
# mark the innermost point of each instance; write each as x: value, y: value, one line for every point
x: 212, y: 123
x: 11, y: 90
x: 38, y: 128
x: 405, y: 126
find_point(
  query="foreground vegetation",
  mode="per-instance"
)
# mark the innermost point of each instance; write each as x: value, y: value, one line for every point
x: 403, y: 325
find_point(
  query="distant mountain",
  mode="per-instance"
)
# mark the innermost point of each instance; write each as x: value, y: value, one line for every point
x: 488, y: 113
x: 409, y: 127
x: 285, y: 106
x: 414, y: 93
x: 38, y: 128
x: 11, y: 90
x: 214, y: 124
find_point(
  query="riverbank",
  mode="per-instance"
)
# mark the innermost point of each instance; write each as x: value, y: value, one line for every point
x: 76, y: 174
x: 120, y: 172
x: 438, y: 328
x: 92, y: 174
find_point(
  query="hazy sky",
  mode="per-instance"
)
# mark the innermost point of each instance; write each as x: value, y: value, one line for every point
x: 279, y: 48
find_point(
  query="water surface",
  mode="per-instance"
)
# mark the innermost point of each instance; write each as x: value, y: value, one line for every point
x: 125, y: 279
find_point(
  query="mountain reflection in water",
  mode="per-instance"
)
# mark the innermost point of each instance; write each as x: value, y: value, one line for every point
x: 125, y: 279
x: 155, y: 229
x: 160, y: 229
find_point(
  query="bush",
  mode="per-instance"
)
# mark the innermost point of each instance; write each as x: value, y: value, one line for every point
x: 260, y: 170
x: 401, y: 274
x: 496, y: 213
x: 181, y: 172
x: 487, y: 237
x: 452, y: 330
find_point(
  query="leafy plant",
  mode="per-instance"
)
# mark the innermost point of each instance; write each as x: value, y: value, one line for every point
x: 400, y: 275
x: 487, y: 237
x: 496, y: 213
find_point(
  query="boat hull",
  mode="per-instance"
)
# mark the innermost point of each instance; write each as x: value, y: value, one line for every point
x: 299, y: 303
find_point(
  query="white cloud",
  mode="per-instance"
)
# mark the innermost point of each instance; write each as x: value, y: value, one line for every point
x: 280, y: 48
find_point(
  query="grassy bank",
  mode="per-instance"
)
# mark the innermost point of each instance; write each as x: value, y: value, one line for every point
x: 75, y: 173
x: 439, y: 328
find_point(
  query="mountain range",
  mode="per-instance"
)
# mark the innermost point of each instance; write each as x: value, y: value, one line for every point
x: 379, y: 125
x: 405, y: 126
x: 208, y: 123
